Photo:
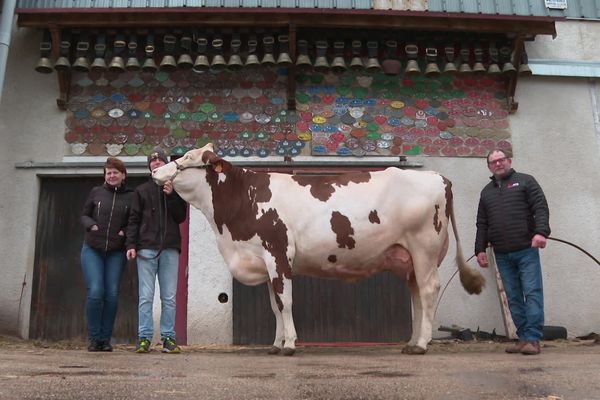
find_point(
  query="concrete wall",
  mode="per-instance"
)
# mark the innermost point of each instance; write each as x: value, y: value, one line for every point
x: 554, y: 136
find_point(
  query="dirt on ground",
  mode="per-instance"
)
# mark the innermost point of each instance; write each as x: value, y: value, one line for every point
x: 451, y: 370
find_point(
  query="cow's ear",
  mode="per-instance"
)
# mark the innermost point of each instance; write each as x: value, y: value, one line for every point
x: 221, y: 165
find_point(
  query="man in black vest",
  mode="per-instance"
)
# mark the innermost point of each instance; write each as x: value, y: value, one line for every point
x: 513, y: 216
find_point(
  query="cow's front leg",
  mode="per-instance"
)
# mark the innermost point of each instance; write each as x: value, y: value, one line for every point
x: 281, y: 280
x: 279, y: 338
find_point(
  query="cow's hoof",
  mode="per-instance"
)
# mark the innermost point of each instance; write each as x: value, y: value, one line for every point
x: 288, y: 352
x: 411, y: 349
x: 274, y: 350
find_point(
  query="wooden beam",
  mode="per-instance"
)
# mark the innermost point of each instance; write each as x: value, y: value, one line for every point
x: 276, y: 17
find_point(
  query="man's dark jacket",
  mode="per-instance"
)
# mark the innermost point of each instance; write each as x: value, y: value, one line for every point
x: 511, y: 211
x: 107, y: 208
x: 154, y: 218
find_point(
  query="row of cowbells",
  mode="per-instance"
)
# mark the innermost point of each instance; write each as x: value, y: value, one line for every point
x: 235, y: 62
x: 168, y: 63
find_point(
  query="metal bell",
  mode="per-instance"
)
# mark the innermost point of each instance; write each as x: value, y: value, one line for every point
x: 132, y: 64
x: 185, y: 61
x: 478, y: 68
x: 303, y: 60
x: 524, y: 69
x: 81, y: 64
x: 235, y: 62
x: 465, y: 54
x: 218, y: 62
x: 268, y: 58
x: 338, y: 65
x: 373, y: 52
x: 149, y: 65
x: 252, y: 61
x: 98, y: 64
x: 117, y: 64
x: 508, y: 69
x: 201, y: 64
x: 494, y: 69
x: 168, y: 63
x: 356, y: 64
x: 284, y: 59
x: 373, y: 65
x: 432, y: 69
x: 62, y: 64
x: 412, y: 66
x: 44, y: 65
x: 464, y: 68
x: 449, y: 68
x: 391, y: 65
x: 506, y: 57
x: 321, y: 63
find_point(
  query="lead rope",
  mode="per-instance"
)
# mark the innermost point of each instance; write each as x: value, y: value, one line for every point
x: 549, y: 238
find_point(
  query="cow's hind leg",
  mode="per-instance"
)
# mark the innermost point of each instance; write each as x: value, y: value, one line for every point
x: 279, y: 340
x: 417, y: 309
x: 424, y: 291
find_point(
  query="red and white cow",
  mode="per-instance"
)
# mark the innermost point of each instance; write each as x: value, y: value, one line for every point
x: 270, y: 226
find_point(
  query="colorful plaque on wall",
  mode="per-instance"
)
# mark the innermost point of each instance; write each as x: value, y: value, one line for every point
x: 244, y: 114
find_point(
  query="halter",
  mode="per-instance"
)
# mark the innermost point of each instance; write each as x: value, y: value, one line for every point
x: 181, y: 168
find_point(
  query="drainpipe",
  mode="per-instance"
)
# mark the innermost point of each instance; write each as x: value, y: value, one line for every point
x: 6, y: 22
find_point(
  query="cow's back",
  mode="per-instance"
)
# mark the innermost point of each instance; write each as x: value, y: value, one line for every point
x: 357, y: 220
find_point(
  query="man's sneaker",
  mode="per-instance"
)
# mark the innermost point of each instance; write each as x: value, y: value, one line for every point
x: 170, y: 346
x: 93, y: 345
x: 515, y: 348
x: 104, y: 345
x: 143, y: 346
x: 531, y: 348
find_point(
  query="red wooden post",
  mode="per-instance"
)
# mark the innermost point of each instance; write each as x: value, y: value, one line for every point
x: 182, y: 283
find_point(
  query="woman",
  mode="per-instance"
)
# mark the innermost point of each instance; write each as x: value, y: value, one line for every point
x: 103, y: 259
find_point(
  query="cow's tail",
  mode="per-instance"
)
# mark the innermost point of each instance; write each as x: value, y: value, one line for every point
x: 471, y: 279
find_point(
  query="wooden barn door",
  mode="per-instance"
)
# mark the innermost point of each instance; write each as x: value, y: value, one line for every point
x: 58, y: 298
x: 377, y: 309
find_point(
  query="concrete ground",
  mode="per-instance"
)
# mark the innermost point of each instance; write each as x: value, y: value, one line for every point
x: 450, y: 370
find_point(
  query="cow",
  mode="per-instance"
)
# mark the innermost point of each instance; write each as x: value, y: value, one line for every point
x: 271, y: 226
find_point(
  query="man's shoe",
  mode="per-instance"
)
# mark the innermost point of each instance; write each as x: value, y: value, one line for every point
x: 93, y: 345
x: 170, y: 346
x: 531, y: 348
x: 105, y: 345
x: 515, y: 348
x: 143, y: 346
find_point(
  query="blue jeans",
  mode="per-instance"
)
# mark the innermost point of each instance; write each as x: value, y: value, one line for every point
x: 102, y: 272
x: 521, y: 274
x: 166, y: 267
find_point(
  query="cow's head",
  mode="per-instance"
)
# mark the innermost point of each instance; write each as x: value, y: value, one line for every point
x: 197, y: 158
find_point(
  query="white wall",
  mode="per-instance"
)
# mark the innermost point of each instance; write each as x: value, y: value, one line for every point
x: 554, y: 139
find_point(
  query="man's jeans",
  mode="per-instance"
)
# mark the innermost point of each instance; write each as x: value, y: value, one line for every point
x: 102, y: 272
x: 166, y: 267
x: 521, y: 274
